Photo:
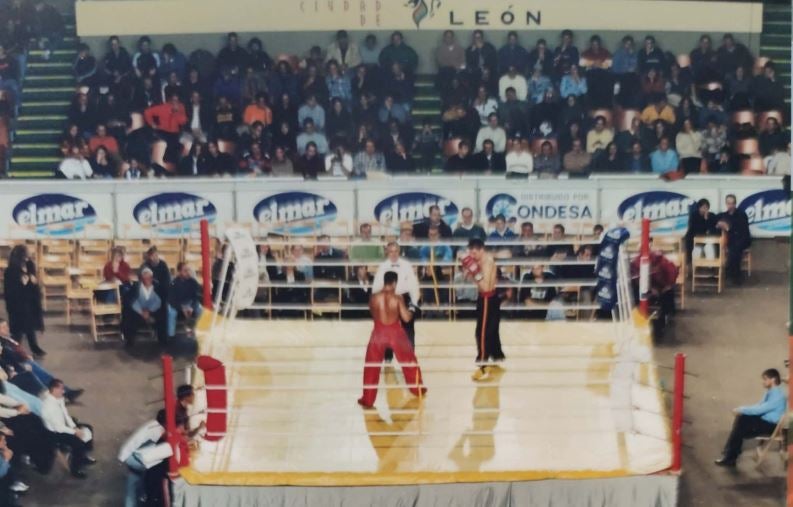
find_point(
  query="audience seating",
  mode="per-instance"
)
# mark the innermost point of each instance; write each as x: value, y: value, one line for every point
x: 105, y: 317
x: 778, y: 438
x: 54, y: 276
x: 707, y: 272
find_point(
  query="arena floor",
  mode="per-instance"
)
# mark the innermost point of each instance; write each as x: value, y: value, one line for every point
x: 729, y: 340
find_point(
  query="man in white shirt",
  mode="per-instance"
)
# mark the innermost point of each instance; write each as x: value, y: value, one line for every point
x: 520, y: 163
x: 339, y: 163
x: 494, y: 132
x: 75, y: 167
x: 79, y: 437
x: 407, y: 287
x: 512, y: 79
x: 146, y: 435
x: 778, y: 163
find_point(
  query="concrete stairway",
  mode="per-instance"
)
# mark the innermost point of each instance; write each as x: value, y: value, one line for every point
x: 47, y: 91
x: 775, y: 41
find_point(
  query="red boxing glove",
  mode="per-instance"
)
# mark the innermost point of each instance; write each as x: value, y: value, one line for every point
x: 471, y: 267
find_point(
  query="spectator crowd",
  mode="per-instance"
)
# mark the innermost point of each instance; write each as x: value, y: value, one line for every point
x: 350, y: 109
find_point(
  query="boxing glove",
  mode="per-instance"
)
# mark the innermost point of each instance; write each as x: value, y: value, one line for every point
x: 471, y: 267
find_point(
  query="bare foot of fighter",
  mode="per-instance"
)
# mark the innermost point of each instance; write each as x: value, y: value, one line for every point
x: 387, y: 309
x: 480, y: 267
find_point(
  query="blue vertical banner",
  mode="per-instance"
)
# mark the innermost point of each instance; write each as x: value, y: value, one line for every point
x: 607, y: 267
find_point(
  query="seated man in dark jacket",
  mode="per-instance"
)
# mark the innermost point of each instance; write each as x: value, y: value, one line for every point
x: 736, y: 224
x: 184, y: 299
x: 143, y: 308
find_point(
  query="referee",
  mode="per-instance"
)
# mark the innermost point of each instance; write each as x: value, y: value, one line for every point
x: 407, y: 287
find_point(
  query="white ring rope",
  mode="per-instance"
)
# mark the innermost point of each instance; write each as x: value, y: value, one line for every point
x: 483, y: 385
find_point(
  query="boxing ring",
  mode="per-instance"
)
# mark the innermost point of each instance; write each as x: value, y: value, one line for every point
x: 575, y: 416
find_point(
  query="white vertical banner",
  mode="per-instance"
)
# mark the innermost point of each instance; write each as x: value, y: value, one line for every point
x: 246, y: 266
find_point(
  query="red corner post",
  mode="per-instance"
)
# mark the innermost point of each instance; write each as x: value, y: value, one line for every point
x: 206, y: 264
x: 170, y: 411
x: 677, y: 412
x: 644, y: 269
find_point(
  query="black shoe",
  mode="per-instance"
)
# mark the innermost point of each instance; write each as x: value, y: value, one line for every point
x: 72, y: 395
x: 39, y: 352
x: 79, y: 474
x: 725, y: 462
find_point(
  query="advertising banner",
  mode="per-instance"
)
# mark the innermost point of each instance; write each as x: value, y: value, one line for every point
x: 539, y: 206
x: 170, y: 213
x: 57, y: 215
x: 132, y: 17
x: 390, y: 207
x: 292, y: 212
x: 768, y: 211
x: 667, y: 210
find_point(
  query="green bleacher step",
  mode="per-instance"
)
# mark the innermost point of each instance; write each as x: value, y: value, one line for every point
x: 57, y: 56
x: 48, y: 93
x: 44, y: 107
x: 35, y: 150
x: 775, y: 52
x: 26, y: 122
x: 48, y: 80
x: 35, y: 164
x: 776, y: 27
x: 38, y: 135
x: 20, y: 174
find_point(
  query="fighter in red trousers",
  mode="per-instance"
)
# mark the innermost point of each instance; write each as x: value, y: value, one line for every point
x: 481, y: 267
x: 387, y: 308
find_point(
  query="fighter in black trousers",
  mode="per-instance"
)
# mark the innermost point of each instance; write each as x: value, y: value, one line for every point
x: 481, y: 267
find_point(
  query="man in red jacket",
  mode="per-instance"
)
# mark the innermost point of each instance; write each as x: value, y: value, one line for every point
x: 167, y: 120
x: 663, y: 277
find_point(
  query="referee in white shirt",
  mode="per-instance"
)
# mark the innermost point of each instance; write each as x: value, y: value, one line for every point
x: 407, y: 287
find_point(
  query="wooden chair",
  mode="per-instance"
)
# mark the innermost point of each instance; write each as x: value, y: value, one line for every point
x: 81, y: 290
x: 93, y: 247
x: 324, y: 306
x: 673, y: 249
x: 105, y: 317
x: 54, y: 276
x: 709, y: 272
x: 57, y: 247
x: 746, y: 262
x: 171, y: 250
x: 778, y: 438
x: 134, y: 250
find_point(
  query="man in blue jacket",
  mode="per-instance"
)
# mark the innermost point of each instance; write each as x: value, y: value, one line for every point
x: 755, y: 420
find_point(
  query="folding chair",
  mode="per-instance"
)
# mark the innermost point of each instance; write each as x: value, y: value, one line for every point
x: 707, y: 272
x: 105, y: 317
x: 54, y: 276
x: 778, y: 437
